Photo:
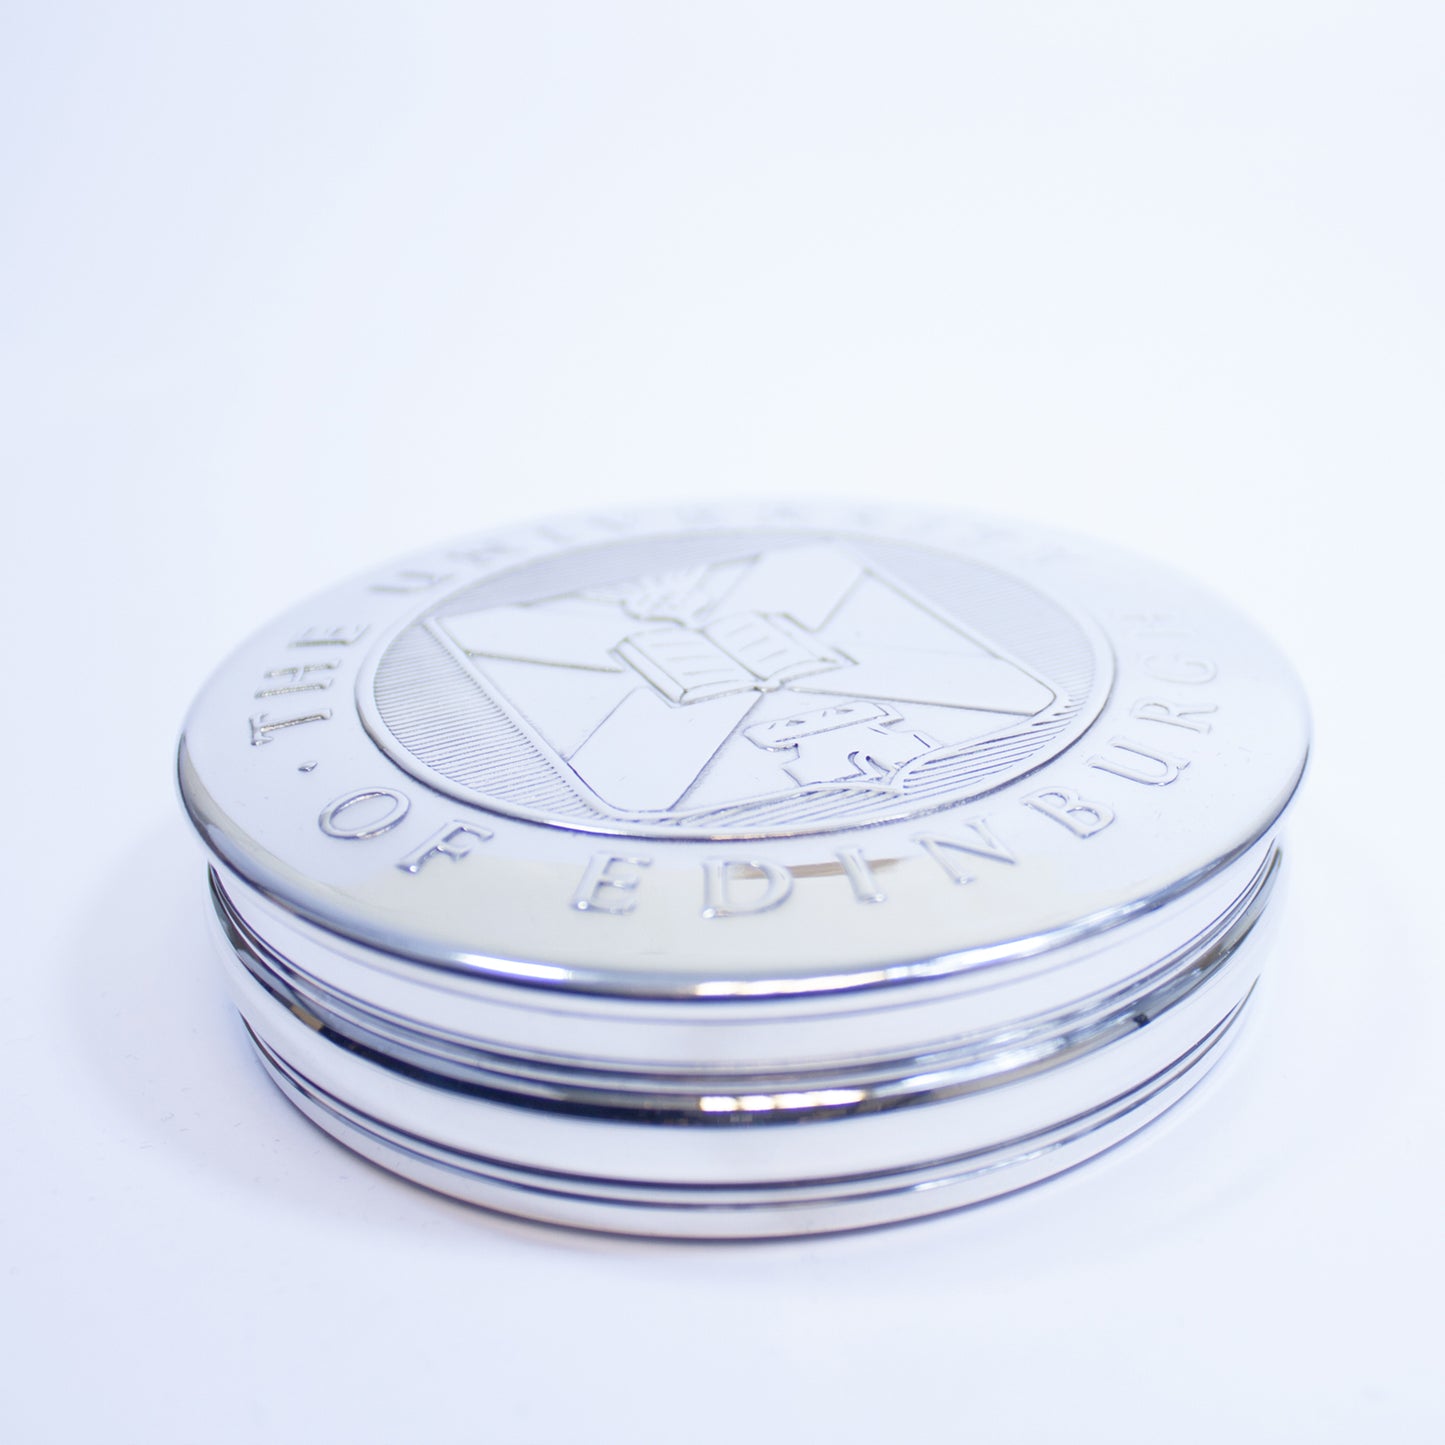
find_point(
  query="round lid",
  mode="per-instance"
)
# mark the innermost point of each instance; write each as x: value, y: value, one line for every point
x: 749, y: 750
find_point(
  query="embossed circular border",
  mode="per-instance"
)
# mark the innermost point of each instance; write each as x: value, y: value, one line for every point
x: 1092, y: 704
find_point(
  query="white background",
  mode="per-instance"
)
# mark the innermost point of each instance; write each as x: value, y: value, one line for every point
x: 288, y: 288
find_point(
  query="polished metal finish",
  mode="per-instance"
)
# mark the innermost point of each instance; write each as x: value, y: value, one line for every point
x: 744, y: 872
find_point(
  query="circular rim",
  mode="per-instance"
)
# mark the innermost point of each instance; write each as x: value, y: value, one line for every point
x: 781, y: 1209
x: 982, y: 1058
x: 507, y: 910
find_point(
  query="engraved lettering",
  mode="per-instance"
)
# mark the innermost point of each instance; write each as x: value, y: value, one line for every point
x: 1174, y: 714
x: 612, y: 521
x: 454, y: 841
x: 1052, y: 554
x: 263, y: 725
x: 1155, y: 624
x: 720, y: 893
x: 329, y: 636
x: 1139, y: 765
x: 368, y: 825
x: 1178, y: 667
x: 860, y: 875
x: 1080, y: 816
x: 410, y: 579
x: 484, y: 555
x: 299, y: 679
x: 698, y: 516
x: 782, y: 512
x: 983, y: 844
x: 606, y: 887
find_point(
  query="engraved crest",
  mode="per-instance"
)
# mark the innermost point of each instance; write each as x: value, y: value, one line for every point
x: 800, y: 684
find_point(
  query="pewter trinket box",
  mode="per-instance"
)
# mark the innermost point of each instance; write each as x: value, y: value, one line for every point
x: 749, y: 870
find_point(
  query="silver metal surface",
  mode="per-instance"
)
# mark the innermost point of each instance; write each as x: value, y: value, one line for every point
x: 726, y: 1035
x: 1196, y: 744
x: 777, y: 1129
x: 857, y: 1202
x: 746, y: 871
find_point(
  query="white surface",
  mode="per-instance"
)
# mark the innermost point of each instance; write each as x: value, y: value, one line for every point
x: 290, y: 288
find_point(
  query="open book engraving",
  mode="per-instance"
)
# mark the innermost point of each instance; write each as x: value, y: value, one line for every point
x: 730, y: 655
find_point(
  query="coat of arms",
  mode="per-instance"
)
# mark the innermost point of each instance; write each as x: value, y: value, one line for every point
x: 777, y: 681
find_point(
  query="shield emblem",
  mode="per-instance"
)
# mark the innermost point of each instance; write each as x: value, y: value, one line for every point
x: 796, y: 677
